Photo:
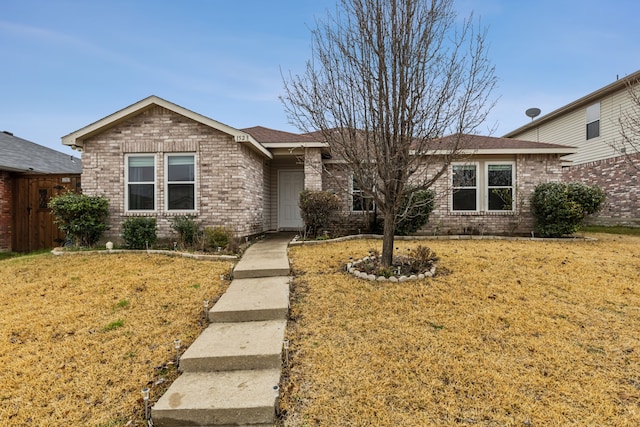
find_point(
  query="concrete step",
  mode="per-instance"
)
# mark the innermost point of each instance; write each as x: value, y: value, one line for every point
x: 236, y: 346
x: 248, y: 300
x: 219, y: 399
x: 266, y: 258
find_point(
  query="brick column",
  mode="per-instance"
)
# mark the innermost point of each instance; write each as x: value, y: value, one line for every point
x: 6, y: 210
x: 313, y: 169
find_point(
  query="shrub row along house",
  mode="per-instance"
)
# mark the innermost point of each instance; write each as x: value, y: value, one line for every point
x: 603, y: 158
x: 30, y: 174
x: 155, y: 158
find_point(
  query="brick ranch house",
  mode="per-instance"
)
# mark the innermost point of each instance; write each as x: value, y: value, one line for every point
x: 30, y: 174
x: 155, y: 158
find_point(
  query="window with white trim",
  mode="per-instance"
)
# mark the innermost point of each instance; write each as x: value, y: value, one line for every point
x: 500, y: 186
x: 180, y: 192
x: 465, y: 187
x: 593, y: 121
x: 140, y: 186
x: 492, y: 191
x: 359, y: 201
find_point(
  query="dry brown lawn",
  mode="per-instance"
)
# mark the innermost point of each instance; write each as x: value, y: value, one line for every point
x: 83, y: 334
x: 513, y: 333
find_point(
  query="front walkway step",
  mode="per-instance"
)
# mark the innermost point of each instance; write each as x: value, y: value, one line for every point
x: 267, y: 258
x: 248, y: 300
x: 236, y: 346
x: 218, y: 399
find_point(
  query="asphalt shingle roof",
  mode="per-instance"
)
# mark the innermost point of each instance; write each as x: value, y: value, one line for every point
x: 265, y: 135
x: 482, y: 142
x: 20, y: 155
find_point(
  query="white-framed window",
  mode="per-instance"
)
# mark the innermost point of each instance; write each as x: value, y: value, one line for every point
x: 140, y: 182
x: 500, y: 192
x: 180, y: 182
x: 593, y: 120
x: 491, y: 191
x: 465, y: 187
x: 359, y: 201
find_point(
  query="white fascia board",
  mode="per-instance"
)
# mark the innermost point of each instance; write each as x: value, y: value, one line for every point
x: 495, y: 151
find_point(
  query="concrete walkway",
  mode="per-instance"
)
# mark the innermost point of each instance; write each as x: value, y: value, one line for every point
x: 231, y: 369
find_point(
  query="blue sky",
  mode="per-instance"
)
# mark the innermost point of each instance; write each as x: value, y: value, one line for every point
x: 66, y: 64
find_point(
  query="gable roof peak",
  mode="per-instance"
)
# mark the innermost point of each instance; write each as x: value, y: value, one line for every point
x: 76, y: 139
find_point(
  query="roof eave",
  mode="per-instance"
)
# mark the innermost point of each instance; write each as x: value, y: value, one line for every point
x: 76, y: 139
x: 243, y: 137
x: 497, y: 151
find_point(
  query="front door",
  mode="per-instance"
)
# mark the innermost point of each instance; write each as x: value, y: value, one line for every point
x: 290, y: 185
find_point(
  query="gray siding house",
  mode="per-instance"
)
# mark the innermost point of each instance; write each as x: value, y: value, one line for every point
x: 591, y: 124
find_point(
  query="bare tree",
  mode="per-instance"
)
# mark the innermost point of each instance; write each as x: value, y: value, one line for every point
x: 386, y: 80
x: 629, y: 122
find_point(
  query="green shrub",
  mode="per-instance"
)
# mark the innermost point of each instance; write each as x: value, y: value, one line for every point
x: 560, y: 208
x: 81, y: 217
x: 591, y: 198
x: 139, y: 232
x: 318, y: 209
x: 218, y: 237
x: 189, y: 230
x: 414, y: 211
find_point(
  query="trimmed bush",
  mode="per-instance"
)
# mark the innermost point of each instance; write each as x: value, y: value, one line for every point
x: 560, y: 208
x: 189, y: 230
x: 82, y: 218
x: 218, y: 237
x: 318, y: 209
x: 414, y: 211
x: 139, y: 232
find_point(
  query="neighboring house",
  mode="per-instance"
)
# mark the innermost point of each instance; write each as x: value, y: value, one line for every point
x: 155, y: 158
x: 30, y: 175
x: 591, y: 125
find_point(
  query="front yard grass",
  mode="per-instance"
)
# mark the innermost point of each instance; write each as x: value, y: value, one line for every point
x: 508, y: 333
x: 83, y: 334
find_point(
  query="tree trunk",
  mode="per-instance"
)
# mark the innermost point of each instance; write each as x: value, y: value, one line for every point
x: 388, y: 239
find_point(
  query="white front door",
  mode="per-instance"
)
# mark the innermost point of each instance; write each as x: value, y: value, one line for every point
x: 290, y: 185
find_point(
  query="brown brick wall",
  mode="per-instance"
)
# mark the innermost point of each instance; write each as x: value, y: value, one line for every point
x: 229, y: 175
x: 621, y: 183
x: 531, y: 170
x: 6, y: 211
x: 312, y: 169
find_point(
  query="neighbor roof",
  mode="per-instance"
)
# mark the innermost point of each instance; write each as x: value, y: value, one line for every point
x: 77, y: 138
x: 20, y: 155
x: 580, y: 103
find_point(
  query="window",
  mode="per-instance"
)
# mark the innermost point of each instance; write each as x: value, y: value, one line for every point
x: 465, y: 187
x: 475, y: 192
x: 181, y: 182
x: 140, y: 176
x: 360, y: 202
x: 500, y: 187
x: 593, y: 121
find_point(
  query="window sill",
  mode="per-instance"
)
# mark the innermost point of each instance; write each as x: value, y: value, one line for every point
x: 482, y: 213
x: 180, y: 213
